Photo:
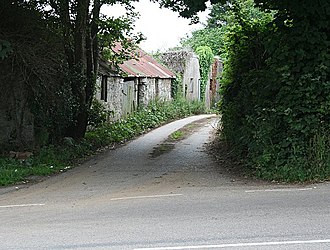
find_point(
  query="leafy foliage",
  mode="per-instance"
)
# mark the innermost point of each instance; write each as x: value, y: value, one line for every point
x: 34, y: 71
x: 97, y: 114
x: 206, y: 59
x: 5, y: 49
x: 187, y: 8
x: 221, y: 17
x: 211, y: 37
x: 275, y: 86
x: 176, y: 87
x: 276, y: 92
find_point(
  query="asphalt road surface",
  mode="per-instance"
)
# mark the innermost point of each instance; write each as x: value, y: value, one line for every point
x: 128, y: 199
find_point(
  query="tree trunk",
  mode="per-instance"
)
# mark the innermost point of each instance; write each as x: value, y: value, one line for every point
x: 78, y: 85
x: 92, y: 47
x: 64, y: 13
x: 94, y: 32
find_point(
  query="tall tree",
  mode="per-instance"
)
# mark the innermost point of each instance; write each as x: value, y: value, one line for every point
x: 82, y: 26
x: 86, y: 34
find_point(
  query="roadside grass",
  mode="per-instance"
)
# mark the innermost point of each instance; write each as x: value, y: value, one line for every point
x: 177, y: 135
x: 58, y: 158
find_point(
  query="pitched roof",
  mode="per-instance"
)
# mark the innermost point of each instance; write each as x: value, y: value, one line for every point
x: 143, y: 66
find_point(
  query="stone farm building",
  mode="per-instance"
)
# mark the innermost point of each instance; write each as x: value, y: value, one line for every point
x: 141, y: 80
x: 186, y: 63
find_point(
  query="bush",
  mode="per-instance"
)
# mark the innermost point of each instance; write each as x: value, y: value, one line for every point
x: 97, y: 114
x: 276, y: 95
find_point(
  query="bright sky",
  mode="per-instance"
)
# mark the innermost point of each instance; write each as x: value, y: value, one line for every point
x: 162, y: 27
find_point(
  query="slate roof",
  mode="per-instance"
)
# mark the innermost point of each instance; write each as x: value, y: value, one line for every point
x: 144, y: 66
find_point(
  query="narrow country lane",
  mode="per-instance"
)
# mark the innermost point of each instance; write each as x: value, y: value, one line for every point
x: 128, y: 198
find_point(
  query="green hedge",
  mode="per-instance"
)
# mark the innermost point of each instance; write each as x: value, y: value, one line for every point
x: 276, y: 94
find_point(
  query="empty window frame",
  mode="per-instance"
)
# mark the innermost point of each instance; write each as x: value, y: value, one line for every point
x: 104, y: 88
x: 191, y: 85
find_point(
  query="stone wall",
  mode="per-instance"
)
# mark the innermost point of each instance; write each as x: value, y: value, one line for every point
x: 154, y: 89
x: 176, y: 60
x: 114, y: 100
x: 164, y: 89
x: 16, y: 120
x: 150, y: 90
x: 125, y: 95
x: 186, y: 63
x: 191, y: 79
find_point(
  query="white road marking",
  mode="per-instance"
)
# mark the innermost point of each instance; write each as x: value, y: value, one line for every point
x: 143, y: 197
x: 275, y: 243
x: 22, y: 205
x: 281, y: 190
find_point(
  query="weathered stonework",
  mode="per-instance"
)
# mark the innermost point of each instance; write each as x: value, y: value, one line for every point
x: 16, y: 120
x: 186, y: 63
x: 164, y: 89
x: 114, y: 100
x: 144, y: 80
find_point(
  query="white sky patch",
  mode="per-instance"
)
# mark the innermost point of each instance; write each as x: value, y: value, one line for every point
x: 162, y: 27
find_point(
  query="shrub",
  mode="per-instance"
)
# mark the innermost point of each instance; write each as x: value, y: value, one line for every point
x: 276, y: 94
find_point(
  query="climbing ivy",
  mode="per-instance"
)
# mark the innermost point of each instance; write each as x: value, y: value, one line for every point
x: 206, y: 58
x: 276, y: 90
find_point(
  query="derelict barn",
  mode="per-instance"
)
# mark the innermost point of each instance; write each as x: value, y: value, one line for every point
x: 140, y: 81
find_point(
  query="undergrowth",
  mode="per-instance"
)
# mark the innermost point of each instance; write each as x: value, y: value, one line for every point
x: 276, y: 91
x: 57, y: 158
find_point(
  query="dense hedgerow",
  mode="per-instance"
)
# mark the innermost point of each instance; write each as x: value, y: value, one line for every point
x: 276, y: 93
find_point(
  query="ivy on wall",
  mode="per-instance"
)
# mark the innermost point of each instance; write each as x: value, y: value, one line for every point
x: 206, y: 59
